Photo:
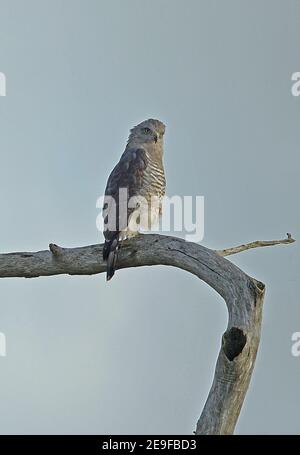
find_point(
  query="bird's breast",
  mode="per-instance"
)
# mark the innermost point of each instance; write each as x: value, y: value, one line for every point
x: 154, y: 177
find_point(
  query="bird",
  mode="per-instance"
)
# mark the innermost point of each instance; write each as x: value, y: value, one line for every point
x: 134, y: 190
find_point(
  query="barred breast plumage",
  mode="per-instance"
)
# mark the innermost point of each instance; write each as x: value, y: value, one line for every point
x: 155, y: 181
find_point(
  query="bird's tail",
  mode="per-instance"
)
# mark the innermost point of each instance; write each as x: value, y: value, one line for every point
x: 110, y: 254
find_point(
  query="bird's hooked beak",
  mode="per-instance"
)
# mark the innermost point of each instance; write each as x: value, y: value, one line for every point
x: 156, y: 137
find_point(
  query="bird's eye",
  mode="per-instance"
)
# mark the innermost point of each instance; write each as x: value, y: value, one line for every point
x: 147, y: 131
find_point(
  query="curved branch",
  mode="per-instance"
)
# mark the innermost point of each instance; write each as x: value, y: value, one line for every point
x: 243, y: 296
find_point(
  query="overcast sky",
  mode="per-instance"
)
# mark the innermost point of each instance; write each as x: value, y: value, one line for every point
x: 137, y: 355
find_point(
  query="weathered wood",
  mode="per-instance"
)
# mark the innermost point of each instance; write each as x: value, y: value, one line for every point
x: 243, y: 296
x: 257, y: 244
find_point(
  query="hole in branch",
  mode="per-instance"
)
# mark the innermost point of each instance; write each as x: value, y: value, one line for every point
x: 234, y: 341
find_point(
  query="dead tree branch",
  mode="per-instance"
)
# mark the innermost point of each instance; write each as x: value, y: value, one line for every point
x: 257, y: 244
x: 243, y: 296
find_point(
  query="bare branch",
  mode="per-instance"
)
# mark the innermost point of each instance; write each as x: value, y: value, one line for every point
x: 243, y: 296
x: 257, y: 244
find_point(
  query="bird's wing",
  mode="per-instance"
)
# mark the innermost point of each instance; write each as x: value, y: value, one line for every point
x: 127, y: 174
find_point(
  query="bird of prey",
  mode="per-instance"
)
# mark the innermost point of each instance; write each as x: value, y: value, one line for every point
x: 134, y: 189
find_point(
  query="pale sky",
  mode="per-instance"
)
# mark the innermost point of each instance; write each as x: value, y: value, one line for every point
x: 137, y: 355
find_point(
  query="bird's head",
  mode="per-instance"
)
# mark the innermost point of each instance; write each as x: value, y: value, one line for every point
x: 147, y: 132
